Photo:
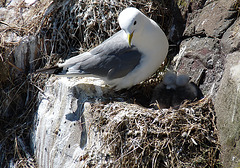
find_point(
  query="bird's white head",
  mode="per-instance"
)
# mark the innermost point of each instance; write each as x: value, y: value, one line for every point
x: 132, y: 21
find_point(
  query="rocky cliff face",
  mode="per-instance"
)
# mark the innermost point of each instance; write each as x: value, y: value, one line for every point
x: 227, y: 100
x: 81, y: 123
x: 227, y: 108
x: 211, y: 52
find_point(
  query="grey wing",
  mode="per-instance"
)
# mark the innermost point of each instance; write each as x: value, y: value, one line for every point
x: 112, y: 59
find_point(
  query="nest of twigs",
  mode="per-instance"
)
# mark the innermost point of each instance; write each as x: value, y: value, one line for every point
x: 137, y: 137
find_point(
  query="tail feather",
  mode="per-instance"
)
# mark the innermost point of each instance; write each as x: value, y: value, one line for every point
x: 52, y: 70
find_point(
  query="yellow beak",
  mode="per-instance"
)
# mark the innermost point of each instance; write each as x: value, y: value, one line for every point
x: 130, y: 39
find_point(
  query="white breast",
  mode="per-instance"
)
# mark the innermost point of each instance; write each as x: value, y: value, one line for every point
x: 153, y: 44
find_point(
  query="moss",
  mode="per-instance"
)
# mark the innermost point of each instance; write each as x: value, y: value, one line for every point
x: 183, y: 3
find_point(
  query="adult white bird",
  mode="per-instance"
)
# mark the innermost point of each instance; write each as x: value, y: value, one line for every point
x: 126, y: 58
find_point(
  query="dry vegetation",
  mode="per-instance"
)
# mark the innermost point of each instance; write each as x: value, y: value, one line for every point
x: 186, y: 137
x: 65, y: 28
x: 18, y: 87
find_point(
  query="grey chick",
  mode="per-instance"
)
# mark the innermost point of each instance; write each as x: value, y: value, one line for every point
x: 173, y: 90
x: 185, y: 91
x: 163, y: 92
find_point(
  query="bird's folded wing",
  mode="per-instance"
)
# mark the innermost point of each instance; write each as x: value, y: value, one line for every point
x: 110, y: 65
x: 112, y: 59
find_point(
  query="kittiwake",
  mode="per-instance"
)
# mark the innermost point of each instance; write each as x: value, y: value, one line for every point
x: 125, y: 59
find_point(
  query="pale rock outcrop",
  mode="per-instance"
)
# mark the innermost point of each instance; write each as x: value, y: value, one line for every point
x: 62, y: 132
x: 228, y: 111
x: 26, y: 53
x: 228, y: 98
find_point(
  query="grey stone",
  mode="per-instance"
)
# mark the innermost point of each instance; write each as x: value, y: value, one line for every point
x: 213, y: 20
x: 227, y: 105
x: 230, y: 41
x: 201, y: 59
x: 26, y: 53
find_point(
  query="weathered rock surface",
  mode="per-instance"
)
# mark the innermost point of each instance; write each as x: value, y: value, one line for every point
x: 26, y: 53
x: 213, y: 20
x: 227, y: 100
x: 230, y: 41
x: 62, y: 133
x: 211, y: 49
x: 201, y: 55
x: 228, y: 111
x: 201, y: 59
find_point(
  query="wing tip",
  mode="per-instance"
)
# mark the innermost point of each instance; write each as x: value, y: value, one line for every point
x: 52, y: 70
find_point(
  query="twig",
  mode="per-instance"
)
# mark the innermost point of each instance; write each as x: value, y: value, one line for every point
x: 14, y: 66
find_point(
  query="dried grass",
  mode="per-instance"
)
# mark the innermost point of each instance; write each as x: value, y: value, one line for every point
x: 186, y: 137
x: 18, y: 92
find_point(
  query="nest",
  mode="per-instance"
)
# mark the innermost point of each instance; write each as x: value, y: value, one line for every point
x: 137, y: 137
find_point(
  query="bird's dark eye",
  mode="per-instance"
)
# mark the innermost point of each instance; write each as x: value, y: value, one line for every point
x: 135, y: 22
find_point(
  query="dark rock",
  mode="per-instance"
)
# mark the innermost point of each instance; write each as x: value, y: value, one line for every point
x: 187, y: 7
x: 177, y: 23
x: 201, y: 59
x: 213, y: 20
x: 206, y: 59
x: 230, y: 41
